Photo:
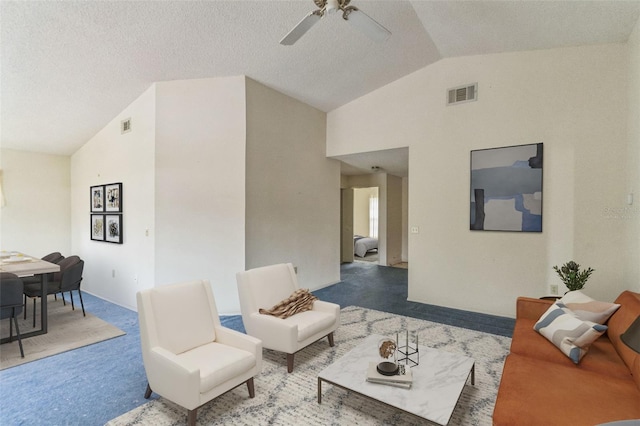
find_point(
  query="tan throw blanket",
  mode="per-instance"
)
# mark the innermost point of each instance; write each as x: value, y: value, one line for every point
x: 299, y: 301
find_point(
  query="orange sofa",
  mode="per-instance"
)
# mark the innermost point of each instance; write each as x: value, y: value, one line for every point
x: 542, y: 386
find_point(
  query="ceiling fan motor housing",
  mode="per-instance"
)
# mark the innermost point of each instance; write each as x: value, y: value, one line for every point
x: 359, y: 20
x: 332, y: 6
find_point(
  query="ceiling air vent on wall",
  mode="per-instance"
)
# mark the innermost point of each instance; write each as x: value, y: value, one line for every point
x: 461, y: 94
x: 125, y: 126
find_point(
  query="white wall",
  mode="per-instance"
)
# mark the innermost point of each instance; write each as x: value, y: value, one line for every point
x: 292, y: 189
x: 112, y: 271
x: 200, y: 182
x: 631, y: 214
x: 183, y: 174
x: 573, y: 100
x: 36, y: 217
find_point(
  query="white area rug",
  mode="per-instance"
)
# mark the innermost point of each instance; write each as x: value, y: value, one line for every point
x: 291, y: 399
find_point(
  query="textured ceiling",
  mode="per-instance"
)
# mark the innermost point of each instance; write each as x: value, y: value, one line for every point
x: 68, y: 68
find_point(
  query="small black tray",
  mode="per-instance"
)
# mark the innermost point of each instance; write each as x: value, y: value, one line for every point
x: 387, y: 368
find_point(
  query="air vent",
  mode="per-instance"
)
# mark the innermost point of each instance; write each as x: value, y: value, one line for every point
x: 461, y: 94
x: 125, y: 126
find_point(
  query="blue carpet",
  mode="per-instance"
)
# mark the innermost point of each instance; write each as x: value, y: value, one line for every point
x: 386, y: 289
x: 96, y: 383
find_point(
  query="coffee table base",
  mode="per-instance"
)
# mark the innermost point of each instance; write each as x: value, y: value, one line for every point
x: 472, y: 376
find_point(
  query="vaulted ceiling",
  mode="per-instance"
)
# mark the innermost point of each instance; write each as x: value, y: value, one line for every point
x: 70, y: 67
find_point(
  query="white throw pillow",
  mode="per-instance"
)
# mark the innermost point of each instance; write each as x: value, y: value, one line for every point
x: 567, y: 332
x: 588, y: 309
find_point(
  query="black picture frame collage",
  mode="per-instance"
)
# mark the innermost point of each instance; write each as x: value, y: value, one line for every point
x: 106, y: 213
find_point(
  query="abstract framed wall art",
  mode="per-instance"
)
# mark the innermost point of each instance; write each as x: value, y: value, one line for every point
x: 506, y: 189
x: 97, y: 227
x: 113, y: 197
x: 113, y: 228
x: 97, y: 198
x: 107, y: 200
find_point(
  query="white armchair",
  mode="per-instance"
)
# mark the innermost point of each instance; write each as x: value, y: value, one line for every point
x: 265, y: 287
x: 189, y: 357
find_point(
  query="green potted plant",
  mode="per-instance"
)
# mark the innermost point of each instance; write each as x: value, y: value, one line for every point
x: 571, y: 275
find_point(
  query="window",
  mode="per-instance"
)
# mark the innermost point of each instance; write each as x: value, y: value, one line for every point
x: 373, y: 217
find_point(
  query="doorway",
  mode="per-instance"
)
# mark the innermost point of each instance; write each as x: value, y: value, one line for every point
x: 366, y: 217
x: 388, y: 171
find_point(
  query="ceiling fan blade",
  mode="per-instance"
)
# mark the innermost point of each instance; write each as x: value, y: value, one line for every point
x: 367, y: 25
x: 302, y: 27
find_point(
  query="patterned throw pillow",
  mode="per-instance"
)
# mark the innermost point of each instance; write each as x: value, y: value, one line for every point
x: 569, y: 333
x: 588, y: 309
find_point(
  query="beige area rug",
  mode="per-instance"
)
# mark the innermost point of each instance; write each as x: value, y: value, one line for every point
x: 291, y: 399
x: 67, y: 330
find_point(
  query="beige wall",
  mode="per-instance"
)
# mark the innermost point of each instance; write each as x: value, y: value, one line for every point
x: 394, y: 220
x: 36, y: 216
x: 573, y: 100
x: 292, y: 189
x: 631, y: 213
x: 405, y: 220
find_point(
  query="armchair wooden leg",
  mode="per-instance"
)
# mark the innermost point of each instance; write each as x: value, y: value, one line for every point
x: 192, y: 416
x: 330, y: 337
x: 147, y: 393
x: 252, y: 389
x: 289, y: 363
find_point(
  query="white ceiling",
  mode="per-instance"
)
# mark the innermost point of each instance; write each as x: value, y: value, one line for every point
x: 391, y: 161
x: 68, y: 68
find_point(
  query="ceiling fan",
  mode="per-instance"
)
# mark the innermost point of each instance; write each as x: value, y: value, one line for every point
x: 351, y: 14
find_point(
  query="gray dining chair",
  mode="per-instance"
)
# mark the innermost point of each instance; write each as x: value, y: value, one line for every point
x: 11, y: 288
x: 54, y: 286
x: 71, y: 280
x: 54, y: 257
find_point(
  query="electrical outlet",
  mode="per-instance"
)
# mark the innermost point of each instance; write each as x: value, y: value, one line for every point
x: 554, y: 289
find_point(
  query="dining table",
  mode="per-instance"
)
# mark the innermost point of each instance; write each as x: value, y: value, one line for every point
x: 24, y: 265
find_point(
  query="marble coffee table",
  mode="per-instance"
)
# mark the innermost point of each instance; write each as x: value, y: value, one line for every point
x: 437, y: 382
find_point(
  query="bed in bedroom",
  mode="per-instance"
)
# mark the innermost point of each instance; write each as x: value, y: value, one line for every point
x: 361, y: 245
